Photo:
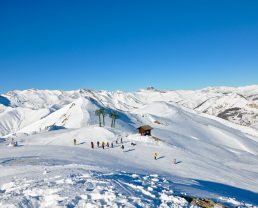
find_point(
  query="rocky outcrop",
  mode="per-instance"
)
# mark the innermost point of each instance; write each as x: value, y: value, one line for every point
x: 203, y: 203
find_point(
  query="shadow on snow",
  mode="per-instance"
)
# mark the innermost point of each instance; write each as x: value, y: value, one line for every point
x: 4, y: 101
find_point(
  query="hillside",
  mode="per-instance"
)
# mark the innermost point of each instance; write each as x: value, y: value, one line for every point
x: 238, y: 105
x: 215, y: 151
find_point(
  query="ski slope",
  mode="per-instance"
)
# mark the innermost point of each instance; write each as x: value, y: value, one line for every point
x: 215, y: 158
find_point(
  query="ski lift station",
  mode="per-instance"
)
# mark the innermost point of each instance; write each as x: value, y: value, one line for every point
x: 145, y: 130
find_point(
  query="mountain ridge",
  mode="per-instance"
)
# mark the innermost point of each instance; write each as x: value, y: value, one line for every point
x: 238, y: 105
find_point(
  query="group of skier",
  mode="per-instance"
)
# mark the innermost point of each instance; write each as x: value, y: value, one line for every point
x: 111, y: 145
x: 106, y: 144
x: 103, y: 145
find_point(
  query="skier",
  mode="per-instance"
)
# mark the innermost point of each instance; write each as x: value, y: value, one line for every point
x: 117, y: 141
x: 121, y: 140
x: 98, y: 143
x: 12, y: 143
x: 122, y: 146
x: 92, y: 145
x: 174, y: 161
x: 112, y: 145
x: 74, y: 142
x: 107, y: 144
x: 155, y: 155
x: 103, y: 145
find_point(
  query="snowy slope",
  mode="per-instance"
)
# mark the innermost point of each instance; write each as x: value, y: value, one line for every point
x: 216, y: 158
x: 238, y: 105
x: 14, y: 119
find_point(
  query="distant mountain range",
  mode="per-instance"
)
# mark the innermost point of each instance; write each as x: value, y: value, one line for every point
x: 20, y: 109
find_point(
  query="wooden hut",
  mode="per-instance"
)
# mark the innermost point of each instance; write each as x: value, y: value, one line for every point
x: 145, y: 130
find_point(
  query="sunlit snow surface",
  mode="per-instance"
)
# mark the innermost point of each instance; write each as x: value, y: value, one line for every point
x: 55, y: 176
x: 76, y: 187
x: 215, y: 159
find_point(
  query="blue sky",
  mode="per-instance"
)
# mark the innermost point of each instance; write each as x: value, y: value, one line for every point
x: 128, y: 45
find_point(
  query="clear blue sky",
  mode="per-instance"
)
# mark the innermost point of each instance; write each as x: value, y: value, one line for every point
x: 128, y: 45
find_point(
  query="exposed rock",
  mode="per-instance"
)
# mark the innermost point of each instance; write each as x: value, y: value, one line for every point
x: 206, y: 203
x: 203, y: 203
x: 230, y: 113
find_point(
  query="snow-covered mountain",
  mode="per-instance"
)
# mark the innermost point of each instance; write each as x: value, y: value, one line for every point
x: 212, y: 134
x: 238, y: 105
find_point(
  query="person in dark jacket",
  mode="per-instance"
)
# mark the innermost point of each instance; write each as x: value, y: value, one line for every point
x: 74, y: 142
x: 103, y: 145
x: 122, y: 146
x: 98, y: 143
x: 92, y: 145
